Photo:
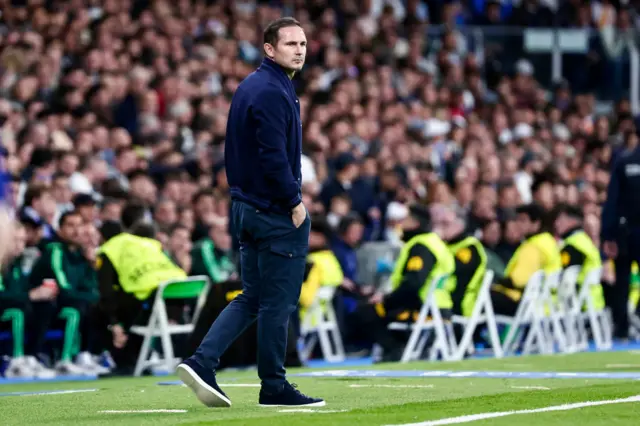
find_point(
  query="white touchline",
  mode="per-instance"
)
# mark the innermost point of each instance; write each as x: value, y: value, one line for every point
x: 483, y: 416
x: 60, y: 392
x: 531, y: 387
x: 140, y: 411
x: 390, y: 386
x: 309, y: 410
x: 622, y: 365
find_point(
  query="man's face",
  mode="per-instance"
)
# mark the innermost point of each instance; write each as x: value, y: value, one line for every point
x: 70, y: 229
x: 88, y: 212
x: 45, y: 205
x: 61, y: 191
x: 180, y: 241
x: 290, y: 49
x: 526, y: 225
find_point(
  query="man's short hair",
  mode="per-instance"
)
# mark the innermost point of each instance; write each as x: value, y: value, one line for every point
x: 271, y: 33
x: 65, y: 216
x: 534, y: 212
x: 574, y: 212
x: 144, y: 229
x: 34, y: 192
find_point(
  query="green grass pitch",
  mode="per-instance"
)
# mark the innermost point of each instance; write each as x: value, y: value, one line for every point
x: 351, y: 401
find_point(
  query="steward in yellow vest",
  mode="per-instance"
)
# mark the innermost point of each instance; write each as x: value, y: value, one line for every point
x: 423, y: 257
x: 538, y: 251
x: 577, y: 248
x: 470, y: 260
x: 129, y: 268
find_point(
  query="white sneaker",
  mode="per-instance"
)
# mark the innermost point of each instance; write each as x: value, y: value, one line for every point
x: 87, y: 362
x: 68, y: 368
x: 39, y: 370
x: 106, y: 358
x: 18, y: 368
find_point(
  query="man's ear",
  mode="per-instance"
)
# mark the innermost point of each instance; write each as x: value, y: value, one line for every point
x: 268, y: 50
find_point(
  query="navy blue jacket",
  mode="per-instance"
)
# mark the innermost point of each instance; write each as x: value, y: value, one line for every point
x: 623, y: 200
x: 264, y: 141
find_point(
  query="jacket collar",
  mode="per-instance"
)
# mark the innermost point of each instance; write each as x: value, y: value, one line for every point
x: 270, y: 66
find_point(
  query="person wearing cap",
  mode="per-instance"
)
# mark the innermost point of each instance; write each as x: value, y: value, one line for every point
x: 423, y: 257
x: 577, y: 248
x: 620, y: 232
x: 538, y: 251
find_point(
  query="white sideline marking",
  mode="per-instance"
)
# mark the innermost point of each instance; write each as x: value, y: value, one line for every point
x: 622, y: 366
x: 483, y: 416
x: 309, y: 410
x: 531, y: 387
x: 60, y: 392
x: 391, y: 386
x: 140, y: 411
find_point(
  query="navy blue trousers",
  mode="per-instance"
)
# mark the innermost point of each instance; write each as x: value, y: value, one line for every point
x: 628, y: 252
x: 272, y: 261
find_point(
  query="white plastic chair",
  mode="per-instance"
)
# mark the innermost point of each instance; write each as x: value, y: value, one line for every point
x: 444, y: 343
x: 195, y: 287
x: 320, y: 325
x: 482, y: 313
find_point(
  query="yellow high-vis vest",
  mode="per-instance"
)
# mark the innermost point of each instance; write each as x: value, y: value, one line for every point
x: 140, y: 263
x: 580, y: 241
x: 471, y: 293
x: 445, y: 265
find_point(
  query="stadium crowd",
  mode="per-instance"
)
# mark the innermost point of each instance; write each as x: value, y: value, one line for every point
x: 113, y: 113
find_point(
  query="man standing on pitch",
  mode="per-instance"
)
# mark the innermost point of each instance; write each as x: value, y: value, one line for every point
x: 262, y: 157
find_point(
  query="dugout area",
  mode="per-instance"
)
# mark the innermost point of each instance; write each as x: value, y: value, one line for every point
x: 438, y: 393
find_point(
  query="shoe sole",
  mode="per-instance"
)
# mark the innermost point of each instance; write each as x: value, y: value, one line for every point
x: 313, y: 404
x: 205, y: 393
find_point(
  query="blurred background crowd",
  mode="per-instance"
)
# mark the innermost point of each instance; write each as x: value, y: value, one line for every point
x: 117, y: 109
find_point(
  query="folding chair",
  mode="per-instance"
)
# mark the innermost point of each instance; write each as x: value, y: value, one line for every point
x: 482, y: 313
x: 320, y: 324
x: 530, y: 313
x: 195, y: 287
x: 444, y: 343
x: 553, y: 313
x: 599, y: 319
x: 576, y: 333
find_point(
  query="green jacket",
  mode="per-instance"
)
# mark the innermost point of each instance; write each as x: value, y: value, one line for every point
x: 207, y: 260
x: 14, y: 283
x: 74, y: 274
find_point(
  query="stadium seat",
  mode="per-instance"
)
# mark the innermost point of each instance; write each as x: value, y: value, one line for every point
x: 530, y: 314
x: 568, y: 300
x: 482, y: 313
x: 553, y: 313
x: 320, y: 325
x: 599, y: 320
x: 429, y: 320
x: 195, y: 287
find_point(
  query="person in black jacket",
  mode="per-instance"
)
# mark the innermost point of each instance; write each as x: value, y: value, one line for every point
x: 621, y: 232
x: 263, y: 152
